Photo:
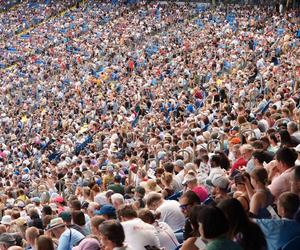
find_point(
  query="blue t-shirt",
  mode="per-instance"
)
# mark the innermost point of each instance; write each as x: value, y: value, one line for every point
x: 69, y: 239
x: 278, y: 232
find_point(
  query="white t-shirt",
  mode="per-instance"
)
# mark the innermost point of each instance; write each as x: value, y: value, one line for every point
x: 166, y: 235
x: 171, y: 214
x: 139, y: 234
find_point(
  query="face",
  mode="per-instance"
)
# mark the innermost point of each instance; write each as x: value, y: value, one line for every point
x: 185, y: 206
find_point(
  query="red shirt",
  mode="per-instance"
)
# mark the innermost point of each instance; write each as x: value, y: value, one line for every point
x: 241, y: 162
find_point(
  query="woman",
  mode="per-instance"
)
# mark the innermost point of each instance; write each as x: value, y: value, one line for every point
x: 44, y: 243
x: 258, y: 159
x: 260, y: 196
x: 166, y: 180
x: 214, y: 228
x: 241, y: 230
x: 273, y: 143
x: 165, y: 234
x: 241, y: 193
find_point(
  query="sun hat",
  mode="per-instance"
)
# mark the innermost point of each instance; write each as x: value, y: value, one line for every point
x: 55, y: 223
x: 6, y: 220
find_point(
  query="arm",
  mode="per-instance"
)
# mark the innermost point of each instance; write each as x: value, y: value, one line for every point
x: 255, y: 203
x: 189, y: 244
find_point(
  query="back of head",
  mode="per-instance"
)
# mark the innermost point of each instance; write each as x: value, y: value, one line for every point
x: 146, y: 215
x: 44, y: 243
x: 235, y: 214
x: 78, y: 218
x: 191, y: 197
x: 113, y: 231
x: 288, y: 205
x: 214, y: 222
x: 117, y: 199
x: 153, y: 198
x: 260, y: 175
x: 127, y: 212
x: 287, y: 156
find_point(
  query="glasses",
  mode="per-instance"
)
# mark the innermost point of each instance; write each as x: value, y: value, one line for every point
x: 184, y: 206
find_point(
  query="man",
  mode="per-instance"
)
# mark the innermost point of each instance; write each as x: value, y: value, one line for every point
x: 170, y: 210
x: 95, y: 222
x: 117, y: 187
x: 279, y: 232
x: 246, y: 152
x: 6, y: 241
x: 67, y: 238
x: 292, y: 128
x: 117, y: 200
x: 138, y: 234
x: 191, y: 183
x: 108, y: 212
x: 187, y: 201
x: 286, y: 158
x: 219, y: 185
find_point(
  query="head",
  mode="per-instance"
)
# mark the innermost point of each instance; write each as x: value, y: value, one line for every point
x: 259, y: 177
x: 187, y: 201
x: 117, y: 200
x: 6, y: 241
x: 212, y: 223
x: 292, y: 127
x: 286, y: 158
x: 44, y: 243
x: 147, y: 216
x: 31, y: 234
x: 111, y: 234
x: 95, y: 222
x: 246, y: 151
x: 126, y: 212
x: 295, y: 181
x: 258, y: 158
x: 235, y: 214
x: 78, y: 218
x: 288, y: 204
x: 154, y: 200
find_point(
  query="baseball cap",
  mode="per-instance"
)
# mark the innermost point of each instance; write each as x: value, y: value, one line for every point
x: 106, y: 210
x: 7, y: 239
x: 219, y: 181
x: 66, y: 216
x: 179, y: 163
x: 188, y: 177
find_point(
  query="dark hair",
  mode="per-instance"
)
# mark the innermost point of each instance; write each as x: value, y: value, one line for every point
x: 194, y: 213
x: 259, y: 155
x: 192, y: 197
x: 224, y: 161
x: 297, y: 173
x: 290, y: 203
x: 169, y: 167
x: 273, y: 137
x: 214, y: 222
x: 75, y: 204
x: 78, y: 218
x: 127, y: 211
x: 252, y: 236
x: 113, y: 231
x: 44, y: 243
x: 287, y: 155
x: 147, y: 216
x: 216, y: 159
x: 285, y: 139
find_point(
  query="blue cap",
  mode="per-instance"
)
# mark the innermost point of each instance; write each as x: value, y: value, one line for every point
x: 26, y: 170
x: 106, y: 210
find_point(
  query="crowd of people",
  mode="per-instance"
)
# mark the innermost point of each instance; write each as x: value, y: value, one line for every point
x: 149, y: 125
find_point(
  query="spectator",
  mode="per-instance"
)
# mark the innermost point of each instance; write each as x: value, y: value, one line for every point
x: 165, y: 234
x: 169, y: 210
x: 112, y: 235
x: 241, y: 230
x: 138, y: 234
x: 44, y: 243
x: 279, y: 232
x: 213, y: 227
x: 67, y: 238
x: 286, y: 158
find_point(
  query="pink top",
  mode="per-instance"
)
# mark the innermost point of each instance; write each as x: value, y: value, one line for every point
x: 281, y: 183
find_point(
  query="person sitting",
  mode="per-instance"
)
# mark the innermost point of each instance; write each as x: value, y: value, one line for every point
x: 286, y: 158
x: 260, y: 196
x: 170, y: 210
x: 219, y: 185
x: 214, y: 228
x: 279, y: 232
x: 112, y: 235
x: 242, y: 230
x: 67, y: 237
x: 165, y: 234
x: 138, y: 234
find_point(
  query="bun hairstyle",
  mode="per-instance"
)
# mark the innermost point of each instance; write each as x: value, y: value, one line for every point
x: 148, y: 216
